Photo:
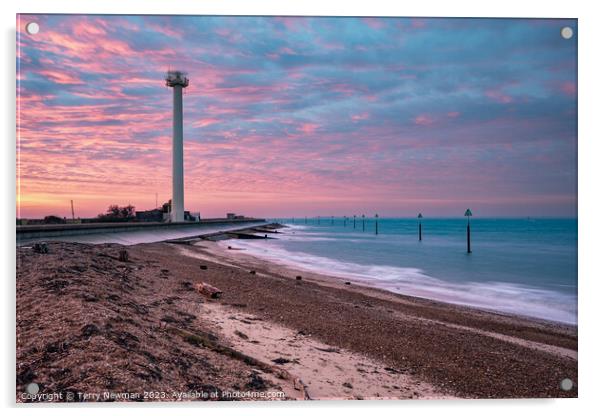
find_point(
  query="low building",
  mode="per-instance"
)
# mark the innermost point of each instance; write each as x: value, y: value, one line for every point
x: 153, y: 215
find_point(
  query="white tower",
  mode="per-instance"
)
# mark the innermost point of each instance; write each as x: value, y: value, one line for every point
x: 177, y: 80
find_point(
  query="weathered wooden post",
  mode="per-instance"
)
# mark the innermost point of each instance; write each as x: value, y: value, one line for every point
x: 354, y: 222
x: 363, y: 222
x: 376, y: 224
x: 419, y: 226
x: 468, y: 214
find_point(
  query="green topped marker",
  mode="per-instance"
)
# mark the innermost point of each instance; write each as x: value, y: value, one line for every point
x: 468, y: 214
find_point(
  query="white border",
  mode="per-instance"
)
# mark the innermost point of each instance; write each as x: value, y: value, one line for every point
x: 590, y: 139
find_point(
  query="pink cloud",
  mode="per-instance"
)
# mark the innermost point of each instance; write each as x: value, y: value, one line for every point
x: 453, y: 114
x: 418, y: 23
x: 373, y: 22
x: 424, y: 120
x: 499, y: 96
x: 60, y: 77
x: 569, y: 88
x: 359, y: 117
x: 308, y: 128
x: 205, y: 122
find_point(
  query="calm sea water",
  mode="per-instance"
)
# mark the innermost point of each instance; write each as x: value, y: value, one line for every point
x: 522, y: 266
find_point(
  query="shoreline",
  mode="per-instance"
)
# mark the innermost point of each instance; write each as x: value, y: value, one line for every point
x: 312, y: 337
x: 241, y: 254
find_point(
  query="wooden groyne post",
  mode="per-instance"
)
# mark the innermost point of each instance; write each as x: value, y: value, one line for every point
x: 419, y: 226
x: 376, y: 224
x: 363, y: 222
x: 468, y: 214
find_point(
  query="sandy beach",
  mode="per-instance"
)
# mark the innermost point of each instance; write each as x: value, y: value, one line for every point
x: 91, y: 327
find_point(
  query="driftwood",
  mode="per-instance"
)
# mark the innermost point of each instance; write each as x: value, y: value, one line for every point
x: 208, y: 290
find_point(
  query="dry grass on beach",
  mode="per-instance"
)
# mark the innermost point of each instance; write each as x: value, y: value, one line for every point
x: 88, y: 322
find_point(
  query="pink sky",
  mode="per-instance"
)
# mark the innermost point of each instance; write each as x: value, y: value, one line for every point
x: 298, y: 116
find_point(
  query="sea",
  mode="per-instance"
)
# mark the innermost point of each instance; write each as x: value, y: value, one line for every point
x: 517, y: 266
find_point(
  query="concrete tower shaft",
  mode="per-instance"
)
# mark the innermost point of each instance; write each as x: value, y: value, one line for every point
x: 177, y: 80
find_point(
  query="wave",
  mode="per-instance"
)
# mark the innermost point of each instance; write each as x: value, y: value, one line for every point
x: 503, y: 297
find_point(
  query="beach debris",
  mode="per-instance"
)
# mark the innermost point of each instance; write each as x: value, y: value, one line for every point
x: 347, y: 385
x: 41, y: 248
x: 229, y: 247
x: 347, y: 283
x: 124, y: 255
x: 281, y: 361
x: 241, y: 334
x: 208, y: 290
x: 253, y: 272
x: 329, y: 349
x: 203, y: 267
x: 299, y: 278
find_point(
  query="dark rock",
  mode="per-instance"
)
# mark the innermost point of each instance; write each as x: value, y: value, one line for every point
x: 52, y: 348
x: 347, y: 283
x: 169, y: 319
x: 256, y: 382
x: 90, y: 297
x: 203, y: 267
x: 299, y: 278
x: 41, y: 248
x: 241, y: 334
x: 124, y: 255
x: 26, y: 376
x: 90, y: 330
x: 56, y: 285
x: 125, y: 340
x: 252, y: 272
x: 348, y: 385
x: 281, y: 361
